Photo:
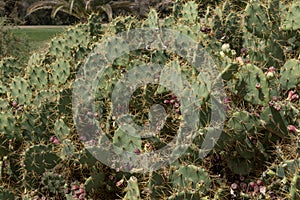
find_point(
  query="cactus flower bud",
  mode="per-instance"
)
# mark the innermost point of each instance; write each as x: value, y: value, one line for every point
x: 234, y: 186
x: 137, y: 151
x: 270, y: 69
x: 258, y: 86
x: 270, y: 75
x: 277, y: 106
x: 75, y: 187
x: 293, y: 129
x: 225, y: 47
x: 240, y: 60
x: 166, y: 101
x: 292, y: 96
x: 15, y: 104
x: 295, y: 97
x: 56, y: 141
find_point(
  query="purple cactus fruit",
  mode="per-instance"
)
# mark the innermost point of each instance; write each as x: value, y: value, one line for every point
x: 293, y: 129
x: 258, y: 86
x: 243, y: 186
x: 172, y: 101
x: 277, y: 107
x: 295, y: 97
x: 15, y: 104
x: 259, y: 182
x: 251, y: 186
x: 137, y: 151
x: 83, y: 138
x: 244, y: 51
x: 56, y: 141
x: 20, y: 108
x: 81, y: 190
x: 77, y: 193
x: 256, y: 188
x: 75, y: 187
x: 174, y: 96
x: 226, y: 100
x: 263, y: 190
x: 242, y: 178
x: 247, y: 61
x: 52, y: 138
x: 81, y: 197
x: 272, y: 69
x: 290, y: 94
x: 240, y: 60
x: 120, y: 182
x: 147, y: 145
x: 177, y: 105
x: 166, y: 101
x: 234, y: 186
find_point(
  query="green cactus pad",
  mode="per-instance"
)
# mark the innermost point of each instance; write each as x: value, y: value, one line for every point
x: 94, y: 182
x: 291, y: 18
x: 3, y: 88
x: 45, y: 96
x: 157, y: 185
x: 127, y: 141
x: 59, y: 49
x: 249, y: 77
x: 289, y: 76
x: 152, y: 20
x: 38, y: 76
x: 3, y: 105
x: 132, y: 189
x: 190, y: 12
x: 191, y: 177
x: 53, y: 184
x: 86, y: 158
x: 257, y: 20
x: 20, y: 91
x: 60, y: 71
x: 6, y: 194
x: 241, y: 124
x: 274, y: 121
x: 67, y: 149
x: 9, y: 68
x: 33, y: 128
x: 8, y: 132
x: 38, y: 158
x: 36, y: 59
x: 246, y: 149
x: 239, y: 165
x: 61, y: 130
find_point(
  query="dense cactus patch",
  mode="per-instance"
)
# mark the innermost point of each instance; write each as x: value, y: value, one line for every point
x: 47, y: 153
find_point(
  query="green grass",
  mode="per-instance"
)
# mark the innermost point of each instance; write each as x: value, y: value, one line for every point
x: 37, y: 37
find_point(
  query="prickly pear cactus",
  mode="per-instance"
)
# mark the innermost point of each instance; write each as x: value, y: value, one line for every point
x: 42, y: 154
x: 290, y: 19
x: 191, y: 178
x: 132, y: 189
